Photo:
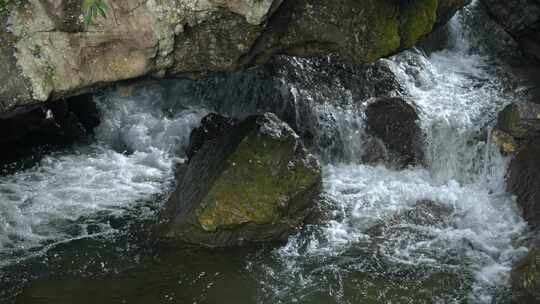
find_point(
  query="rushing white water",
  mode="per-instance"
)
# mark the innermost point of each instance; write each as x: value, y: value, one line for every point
x: 66, y: 193
x: 71, y: 195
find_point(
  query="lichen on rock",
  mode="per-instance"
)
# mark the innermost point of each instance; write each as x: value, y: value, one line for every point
x: 418, y: 19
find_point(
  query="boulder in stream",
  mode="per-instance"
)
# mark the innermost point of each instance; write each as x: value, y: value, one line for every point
x: 395, y: 123
x: 252, y: 182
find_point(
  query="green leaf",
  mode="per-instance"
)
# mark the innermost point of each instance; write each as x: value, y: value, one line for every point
x: 102, y: 12
x: 94, y: 8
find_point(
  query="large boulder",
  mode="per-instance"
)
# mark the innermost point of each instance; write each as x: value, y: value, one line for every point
x: 517, y: 133
x: 253, y: 182
x: 398, y: 137
x: 52, y: 53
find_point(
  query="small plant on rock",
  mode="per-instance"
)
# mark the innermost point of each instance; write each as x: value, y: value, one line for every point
x: 92, y: 9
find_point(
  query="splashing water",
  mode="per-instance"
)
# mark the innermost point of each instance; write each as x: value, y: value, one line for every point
x: 66, y: 193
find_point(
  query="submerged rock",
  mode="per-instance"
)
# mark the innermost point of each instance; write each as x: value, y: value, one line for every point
x: 254, y: 182
x: 58, y: 55
x: 412, y: 225
x: 404, y: 224
x: 395, y: 123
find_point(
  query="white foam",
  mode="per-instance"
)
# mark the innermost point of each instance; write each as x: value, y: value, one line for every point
x: 63, y: 194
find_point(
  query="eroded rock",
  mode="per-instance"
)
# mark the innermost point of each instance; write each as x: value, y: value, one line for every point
x: 255, y: 182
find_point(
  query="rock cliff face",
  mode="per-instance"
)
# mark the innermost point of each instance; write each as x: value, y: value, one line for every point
x: 49, y: 52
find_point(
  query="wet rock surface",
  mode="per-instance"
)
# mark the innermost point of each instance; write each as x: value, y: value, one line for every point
x: 518, y: 133
x: 520, y: 120
x: 521, y: 19
x: 395, y: 123
x: 284, y: 86
x: 524, y: 181
x: 212, y: 127
x: 255, y: 182
x: 57, y: 55
x: 518, y: 124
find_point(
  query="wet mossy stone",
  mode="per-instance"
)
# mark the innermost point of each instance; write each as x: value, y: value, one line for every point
x: 255, y: 182
x: 525, y: 278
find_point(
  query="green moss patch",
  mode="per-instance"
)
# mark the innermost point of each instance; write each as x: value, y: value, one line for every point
x: 418, y: 18
x: 384, y: 26
x: 260, y: 179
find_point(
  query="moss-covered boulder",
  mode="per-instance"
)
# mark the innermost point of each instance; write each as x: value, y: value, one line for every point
x: 254, y: 182
x: 525, y: 278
